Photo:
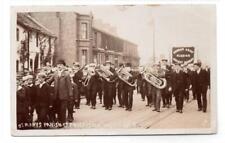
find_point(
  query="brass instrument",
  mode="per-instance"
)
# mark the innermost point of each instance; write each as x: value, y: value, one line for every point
x: 88, y: 71
x: 125, y: 76
x: 157, y: 82
x: 104, y: 73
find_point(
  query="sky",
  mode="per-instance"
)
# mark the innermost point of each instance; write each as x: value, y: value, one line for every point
x: 171, y: 25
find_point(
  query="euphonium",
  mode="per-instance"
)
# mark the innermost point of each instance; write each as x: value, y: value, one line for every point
x: 88, y: 71
x: 125, y: 76
x: 157, y: 82
x: 104, y: 73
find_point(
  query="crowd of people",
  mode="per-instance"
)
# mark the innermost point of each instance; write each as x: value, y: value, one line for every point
x: 53, y: 93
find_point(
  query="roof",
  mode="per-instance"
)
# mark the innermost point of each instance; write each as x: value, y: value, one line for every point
x: 27, y: 21
x: 110, y: 34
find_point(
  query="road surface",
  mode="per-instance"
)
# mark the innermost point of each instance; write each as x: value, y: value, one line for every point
x: 140, y: 116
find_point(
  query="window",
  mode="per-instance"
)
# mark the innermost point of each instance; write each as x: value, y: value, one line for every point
x: 36, y: 39
x: 84, y: 57
x: 31, y: 63
x: 96, y: 40
x: 84, y: 31
x: 17, y: 65
x: 17, y: 34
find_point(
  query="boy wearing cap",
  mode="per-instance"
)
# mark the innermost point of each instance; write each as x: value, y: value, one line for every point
x: 44, y: 101
x: 23, y: 105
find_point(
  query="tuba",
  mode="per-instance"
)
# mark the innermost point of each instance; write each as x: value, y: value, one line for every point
x: 125, y: 76
x: 154, y: 80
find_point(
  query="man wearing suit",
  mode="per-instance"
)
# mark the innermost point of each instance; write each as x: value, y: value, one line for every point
x: 201, y: 81
x: 179, y: 87
x: 62, y: 90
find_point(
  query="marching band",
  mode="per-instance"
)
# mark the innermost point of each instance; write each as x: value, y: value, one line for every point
x: 54, y: 92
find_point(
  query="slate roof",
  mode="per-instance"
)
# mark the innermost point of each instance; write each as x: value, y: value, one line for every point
x: 25, y: 20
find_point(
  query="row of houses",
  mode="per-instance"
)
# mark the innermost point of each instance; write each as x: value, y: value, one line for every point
x: 45, y: 37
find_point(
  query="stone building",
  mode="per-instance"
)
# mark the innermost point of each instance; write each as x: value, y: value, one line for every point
x: 78, y: 40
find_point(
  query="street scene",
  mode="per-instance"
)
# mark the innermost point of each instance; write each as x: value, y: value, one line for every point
x: 115, y: 67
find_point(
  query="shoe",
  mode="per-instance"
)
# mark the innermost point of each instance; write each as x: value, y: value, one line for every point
x: 181, y: 111
x: 177, y: 110
x: 126, y: 109
x: 94, y: 107
x: 204, y: 111
x: 168, y: 106
x: 103, y: 105
x: 154, y: 110
x: 130, y: 109
x: 106, y: 108
x: 147, y: 105
x: 120, y: 106
x: 110, y: 108
x: 158, y: 111
x: 199, y: 109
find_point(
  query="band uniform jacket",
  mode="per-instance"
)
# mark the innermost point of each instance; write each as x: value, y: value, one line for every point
x: 62, y: 86
x: 179, y: 81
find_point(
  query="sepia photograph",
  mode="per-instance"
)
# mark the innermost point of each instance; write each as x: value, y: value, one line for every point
x: 113, y: 70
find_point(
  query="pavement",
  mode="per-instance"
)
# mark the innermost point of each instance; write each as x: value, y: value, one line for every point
x: 140, y: 116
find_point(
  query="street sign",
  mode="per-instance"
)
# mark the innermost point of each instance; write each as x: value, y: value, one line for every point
x: 182, y: 55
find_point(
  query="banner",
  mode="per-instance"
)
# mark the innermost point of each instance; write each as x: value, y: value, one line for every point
x: 182, y: 55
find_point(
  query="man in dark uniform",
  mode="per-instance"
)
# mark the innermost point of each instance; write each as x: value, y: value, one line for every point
x: 166, y: 92
x: 109, y: 87
x: 201, y: 79
x: 178, y: 87
x: 93, y: 85
x: 128, y: 90
x: 77, y: 79
x: 120, y: 88
x: 188, y: 82
x: 156, y: 92
x: 192, y: 81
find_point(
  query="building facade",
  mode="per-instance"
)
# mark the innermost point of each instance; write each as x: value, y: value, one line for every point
x: 35, y: 44
x: 78, y: 40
